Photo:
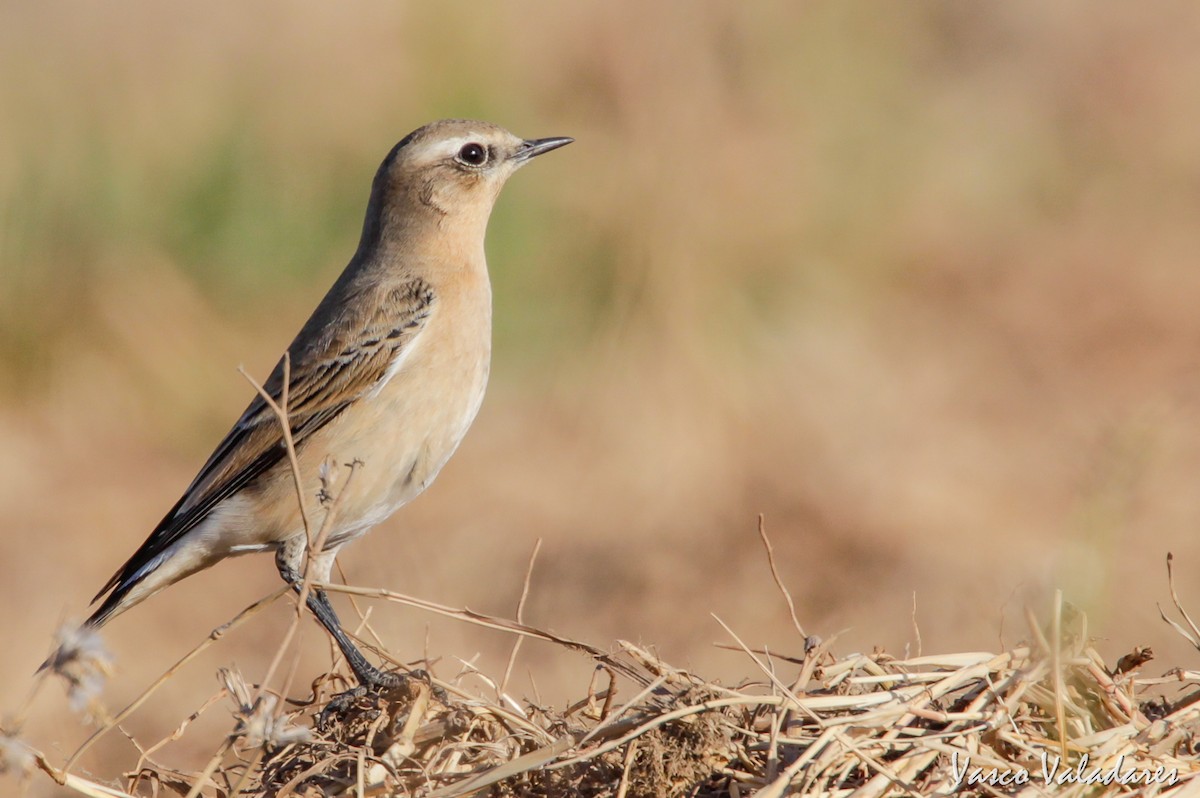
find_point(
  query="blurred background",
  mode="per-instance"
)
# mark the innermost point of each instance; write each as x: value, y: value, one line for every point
x: 917, y: 282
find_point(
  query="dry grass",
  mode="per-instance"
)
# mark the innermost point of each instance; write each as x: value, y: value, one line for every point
x: 1048, y: 714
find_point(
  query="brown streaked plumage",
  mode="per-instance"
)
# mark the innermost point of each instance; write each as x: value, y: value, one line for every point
x: 388, y: 373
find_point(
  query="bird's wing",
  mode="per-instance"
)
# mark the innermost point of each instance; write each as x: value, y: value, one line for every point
x: 344, y: 359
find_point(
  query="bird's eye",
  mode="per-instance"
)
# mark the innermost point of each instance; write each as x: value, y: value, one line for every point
x: 473, y: 154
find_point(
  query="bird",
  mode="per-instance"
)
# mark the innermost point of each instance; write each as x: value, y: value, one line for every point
x: 382, y: 383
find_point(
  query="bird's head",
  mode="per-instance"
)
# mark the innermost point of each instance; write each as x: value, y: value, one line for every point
x: 454, y: 168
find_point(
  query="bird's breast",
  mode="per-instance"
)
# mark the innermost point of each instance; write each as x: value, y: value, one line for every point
x: 405, y: 432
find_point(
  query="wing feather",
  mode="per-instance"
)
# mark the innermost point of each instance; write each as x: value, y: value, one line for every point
x: 333, y: 364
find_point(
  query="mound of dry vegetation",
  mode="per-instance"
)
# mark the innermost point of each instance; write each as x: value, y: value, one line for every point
x: 1047, y: 714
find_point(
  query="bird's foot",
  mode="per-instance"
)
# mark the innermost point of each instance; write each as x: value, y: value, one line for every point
x: 375, y: 683
x: 339, y: 704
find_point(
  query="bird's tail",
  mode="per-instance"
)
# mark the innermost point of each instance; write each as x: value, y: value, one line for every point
x: 121, y: 589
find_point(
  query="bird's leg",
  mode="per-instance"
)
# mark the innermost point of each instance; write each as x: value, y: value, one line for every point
x: 287, y: 560
x: 368, y: 675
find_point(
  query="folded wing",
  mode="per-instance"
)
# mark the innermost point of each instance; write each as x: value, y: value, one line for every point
x: 349, y: 359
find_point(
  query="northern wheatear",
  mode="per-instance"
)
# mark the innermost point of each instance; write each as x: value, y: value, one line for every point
x: 387, y: 373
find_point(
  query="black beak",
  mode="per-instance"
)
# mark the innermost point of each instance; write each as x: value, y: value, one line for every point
x: 534, y: 147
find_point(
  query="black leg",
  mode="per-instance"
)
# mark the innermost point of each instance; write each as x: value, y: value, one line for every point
x: 318, y: 603
x: 368, y: 675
